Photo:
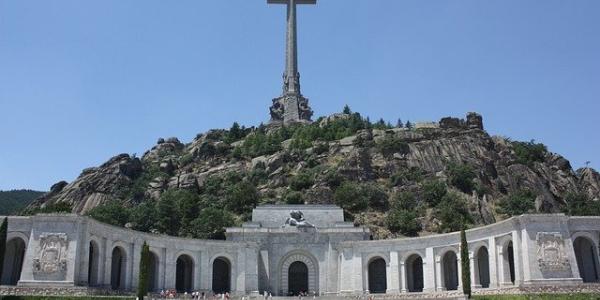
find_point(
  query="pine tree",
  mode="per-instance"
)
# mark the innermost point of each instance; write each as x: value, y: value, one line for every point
x: 465, y: 264
x: 399, y: 124
x: 3, y: 231
x: 408, y: 125
x: 144, y: 275
x: 347, y: 110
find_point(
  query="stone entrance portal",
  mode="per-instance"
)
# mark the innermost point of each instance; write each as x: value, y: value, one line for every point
x: 298, y: 278
x: 221, y: 275
x: 298, y: 274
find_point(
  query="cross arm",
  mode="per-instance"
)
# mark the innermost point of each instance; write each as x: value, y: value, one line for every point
x: 287, y: 1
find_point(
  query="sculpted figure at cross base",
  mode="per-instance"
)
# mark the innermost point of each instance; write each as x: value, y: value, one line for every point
x: 296, y: 219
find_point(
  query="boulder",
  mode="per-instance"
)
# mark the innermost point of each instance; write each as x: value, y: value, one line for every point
x: 474, y: 121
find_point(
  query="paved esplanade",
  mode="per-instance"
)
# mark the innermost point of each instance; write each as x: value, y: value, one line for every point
x: 291, y: 106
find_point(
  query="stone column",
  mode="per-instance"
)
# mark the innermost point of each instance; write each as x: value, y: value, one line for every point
x: 162, y: 268
x: 438, y: 274
x: 475, y: 277
x: 206, y: 279
x: 459, y: 269
x: 358, y: 284
x: 403, y: 278
x: 429, y: 272
x: 251, y: 271
x: 170, y: 269
x: 240, y: 282
x: 197, y: 270
x: 137, y: 255
x: 129, y: 268
x: 493, y: 262
x: 393, y: 282
x: 107, y: 262
x: 518, y: 251
x: 347, y: 271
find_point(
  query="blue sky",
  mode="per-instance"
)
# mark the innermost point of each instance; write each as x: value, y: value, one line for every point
x: 81, y: 81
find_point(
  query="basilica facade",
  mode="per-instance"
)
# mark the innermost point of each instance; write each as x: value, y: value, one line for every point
x: 287, y: 249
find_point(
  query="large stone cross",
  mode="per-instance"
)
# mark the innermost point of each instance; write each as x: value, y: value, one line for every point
x: 291, y: 106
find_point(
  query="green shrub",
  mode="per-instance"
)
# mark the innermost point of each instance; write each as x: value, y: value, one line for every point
x: 376, y: 196
x: 186, y: 159
x: 406, y: 176
x: 168, y: 216
x: 461, y: 176
x: 333, y: 179
x: 303, y: 180
x: 241, y: 197
x: 434, y: 191
x: 579, y: 204
x: 391, y: 144
x: 453, y: 213
x: 349, y: 197
x: 405, y: 201
x: 517, y: 203
x: 144, y: 216
x: 403, y: 221
x: 293, y: 197
x: 529, y: 152
x: 211, y: 223
x: 113, y: 213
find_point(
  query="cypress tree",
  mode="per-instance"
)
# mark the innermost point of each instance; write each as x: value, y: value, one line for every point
x: 465, y: 263
x: 144, y: 274
x: 3, y: 231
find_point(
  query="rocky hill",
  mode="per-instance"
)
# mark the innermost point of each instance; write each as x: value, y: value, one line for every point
x: 397, y: 180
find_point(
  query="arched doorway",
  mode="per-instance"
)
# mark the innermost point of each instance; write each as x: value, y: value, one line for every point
x: 13, y: 261
x: 377, y: 276
x: 184, y: 275
x: 297, y: 278
x: 483, y: 267
x: 221, y: 275
x: 414, y: 273
x: 312, y: 270
x: 153, y: 278
x: 450, y: 271
x: 508, y: 263
x: 118, y: 269
x: 585, y: 254
x: 93, y: 258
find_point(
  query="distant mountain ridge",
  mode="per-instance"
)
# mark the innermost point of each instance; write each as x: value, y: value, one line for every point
x: 13, y: 201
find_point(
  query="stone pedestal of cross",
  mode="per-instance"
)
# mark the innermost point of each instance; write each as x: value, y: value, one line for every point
x: 291, y: 106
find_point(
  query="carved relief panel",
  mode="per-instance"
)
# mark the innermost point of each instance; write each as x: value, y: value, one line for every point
x: 551, y: 255
x: 50, y: 261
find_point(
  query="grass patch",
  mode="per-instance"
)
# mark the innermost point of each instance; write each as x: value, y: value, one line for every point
x: 540, y: 297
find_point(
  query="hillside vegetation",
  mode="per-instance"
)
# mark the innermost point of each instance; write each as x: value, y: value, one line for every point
x: 13, y: 201
x: 398, y: 180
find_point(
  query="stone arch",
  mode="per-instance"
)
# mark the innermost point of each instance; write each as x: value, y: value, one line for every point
x: 414, y: 273
x: 449, y: 270
x: 13, y: 260
x: 221, y: 274
x: 118, y: 270
x: 297, y: 278
x: 507, y: 261
x: 377, y: 275
x: 482, y: 267
x: 311, y: 264
x: 93, y: 263
x: 586, y: 255
x: 153, y: 262
x: 184, y: 273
